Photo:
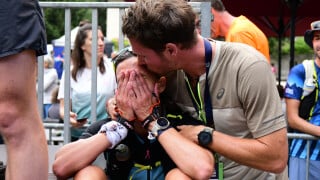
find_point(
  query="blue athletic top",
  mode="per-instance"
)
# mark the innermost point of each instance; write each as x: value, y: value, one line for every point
x: 294, y: 90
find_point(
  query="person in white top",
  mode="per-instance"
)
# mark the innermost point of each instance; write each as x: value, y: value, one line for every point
x: 50, y: 82
x: 80, y: 81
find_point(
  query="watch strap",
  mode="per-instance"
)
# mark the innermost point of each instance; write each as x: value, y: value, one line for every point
x: 160, y: 131
x: 125, y: 123
x: 152, y: 117
x: 148, y: 120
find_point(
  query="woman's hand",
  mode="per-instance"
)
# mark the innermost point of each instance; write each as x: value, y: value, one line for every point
x: 143, y: 99
x: 76, y: 123
x: 123, y: 97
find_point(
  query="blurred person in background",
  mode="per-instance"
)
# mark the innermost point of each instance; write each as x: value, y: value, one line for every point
x: 236, y: 29
x: 50, y: 82
x: 303, y: 109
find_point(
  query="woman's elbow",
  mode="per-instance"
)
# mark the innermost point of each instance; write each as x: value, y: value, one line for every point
x: 204, y: 171
x: 60, y: 170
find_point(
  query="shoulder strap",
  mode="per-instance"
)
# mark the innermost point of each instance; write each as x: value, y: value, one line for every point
x: 310, y: 90
x: 310, y: 81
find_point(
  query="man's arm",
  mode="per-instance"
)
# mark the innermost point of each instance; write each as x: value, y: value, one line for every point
x: 191, y: 159
x: 265, y: 153
x: 296, y: 122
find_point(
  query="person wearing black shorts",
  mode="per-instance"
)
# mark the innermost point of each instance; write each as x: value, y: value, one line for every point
x: 22, y: 39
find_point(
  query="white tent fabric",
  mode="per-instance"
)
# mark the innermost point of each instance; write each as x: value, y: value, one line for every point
x: 61, y: 41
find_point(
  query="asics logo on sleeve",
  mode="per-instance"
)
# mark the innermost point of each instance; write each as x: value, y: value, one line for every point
x: 220, y: 93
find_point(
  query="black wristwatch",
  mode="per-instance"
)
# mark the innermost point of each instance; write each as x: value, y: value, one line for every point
x: 160, y: 125
x: 205, y: 136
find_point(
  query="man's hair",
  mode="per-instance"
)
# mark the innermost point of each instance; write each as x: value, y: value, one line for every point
x: 155, y: 23
x: 215, y: 4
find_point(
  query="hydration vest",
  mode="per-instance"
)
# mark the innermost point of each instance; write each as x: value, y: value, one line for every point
x: 310, y: 90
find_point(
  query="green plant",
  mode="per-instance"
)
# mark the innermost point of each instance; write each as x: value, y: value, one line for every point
x: 115, y: 42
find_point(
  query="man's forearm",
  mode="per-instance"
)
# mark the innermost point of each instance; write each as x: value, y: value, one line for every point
x: 191, y: 159
x: 268, y: 153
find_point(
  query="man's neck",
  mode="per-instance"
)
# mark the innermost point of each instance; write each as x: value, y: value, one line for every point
x: 194, y: 59
x: 226, y: 22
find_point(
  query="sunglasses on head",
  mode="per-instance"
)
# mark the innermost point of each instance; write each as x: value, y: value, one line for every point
x: 122, y: 55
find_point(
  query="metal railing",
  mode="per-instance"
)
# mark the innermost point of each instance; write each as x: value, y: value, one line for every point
x: 306, y: 137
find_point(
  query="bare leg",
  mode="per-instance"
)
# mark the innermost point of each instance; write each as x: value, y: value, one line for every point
x: 91, y: 172
x: 176, y: 174
x: 20, y: 123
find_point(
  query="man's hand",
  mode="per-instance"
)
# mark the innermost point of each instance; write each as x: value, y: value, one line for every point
x: 190, y: 132
x: 115, y: 132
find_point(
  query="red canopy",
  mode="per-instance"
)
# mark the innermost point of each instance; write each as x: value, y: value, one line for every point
x: 268, y: 14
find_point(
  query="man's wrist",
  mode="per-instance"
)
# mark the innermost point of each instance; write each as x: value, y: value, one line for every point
x: 205, y: 137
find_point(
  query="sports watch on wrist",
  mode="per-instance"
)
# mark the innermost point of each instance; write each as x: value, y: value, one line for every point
x: 205, y: 136
x: 160, y: 125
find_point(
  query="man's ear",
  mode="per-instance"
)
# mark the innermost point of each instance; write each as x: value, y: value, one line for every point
x: 171, y: 49
x: 161, y: 84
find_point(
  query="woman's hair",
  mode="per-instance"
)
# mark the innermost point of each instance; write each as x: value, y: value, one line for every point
x: 54, y: 96
x: 124, y: 54
x: 77, y: 57
x: 48, y: 59
x: 156, y: 23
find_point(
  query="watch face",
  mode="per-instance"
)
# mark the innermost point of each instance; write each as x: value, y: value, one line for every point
x: 163, y: 122
x: 204, y: 138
